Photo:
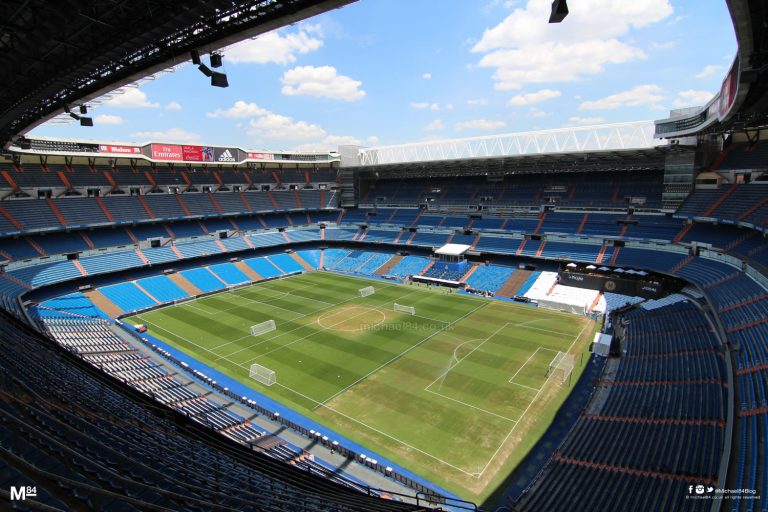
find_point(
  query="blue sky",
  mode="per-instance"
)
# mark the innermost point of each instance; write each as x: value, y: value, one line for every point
x: 381, y: 72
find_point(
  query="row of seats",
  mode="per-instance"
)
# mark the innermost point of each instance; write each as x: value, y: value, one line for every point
x: 21, y: 215
x: 87, y: 443
x: 656, y: 423
x: 30, y: 175
x: 575, y: 189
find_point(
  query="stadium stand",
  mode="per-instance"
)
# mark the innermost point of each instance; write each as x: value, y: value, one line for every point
x: 489, y: 277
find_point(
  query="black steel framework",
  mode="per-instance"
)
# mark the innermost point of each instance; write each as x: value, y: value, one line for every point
x: 65, y: 52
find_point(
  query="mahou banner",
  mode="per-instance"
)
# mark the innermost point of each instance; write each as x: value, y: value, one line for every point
x: 167, y: 152
x: 120, y: 150
x: 261, y: 156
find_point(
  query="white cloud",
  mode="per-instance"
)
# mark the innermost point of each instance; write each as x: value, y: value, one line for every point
x: 427, y: 76
x: 641, y: 95
x: 173, y: 105
x: 437, y: 124
x: 477, y: 102
x: 133, y: 97
x: 278, y: 127
x: 535, y: 112
x: 424, y: 105
x: 666, y: 45
x: 170, y: 135
x: 692, y: 98
x: 524, y: 49
x: 711, y: 69
x: 372, y: 139
x: 479, y: 124
x: 586, y: 120
x: 329, y: 143
x: 321, y: 82
x: 108, y: 119
x: 239, y: 109
x: 277, y: 47
x: 533, y: 97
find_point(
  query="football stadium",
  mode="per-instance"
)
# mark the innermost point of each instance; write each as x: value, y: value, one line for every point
x: 544, y: 319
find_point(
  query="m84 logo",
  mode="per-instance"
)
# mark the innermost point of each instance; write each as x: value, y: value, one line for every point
x: 21, y: 493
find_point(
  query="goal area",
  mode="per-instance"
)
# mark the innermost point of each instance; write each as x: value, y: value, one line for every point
x: 263, y: 328
x: 263, y: 374
x: 561, y: 367
x: 365, y: 292
x: 405, y: 309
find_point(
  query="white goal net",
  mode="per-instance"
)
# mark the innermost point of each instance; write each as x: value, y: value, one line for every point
x: 561, y: 367
x: 405, y: 309
x: 263, y: 328
x: 263, y: 374
x: 365, y: 292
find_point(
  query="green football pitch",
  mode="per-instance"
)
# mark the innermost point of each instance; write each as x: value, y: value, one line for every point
x: 457, y: 392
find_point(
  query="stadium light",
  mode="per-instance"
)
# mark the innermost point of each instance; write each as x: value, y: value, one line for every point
x: 219, y: 79
x: 205, y: 70
x: 559, y: 11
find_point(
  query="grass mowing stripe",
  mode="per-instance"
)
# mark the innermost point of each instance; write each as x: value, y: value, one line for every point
x: 375, y: 379
x: 402, y: 354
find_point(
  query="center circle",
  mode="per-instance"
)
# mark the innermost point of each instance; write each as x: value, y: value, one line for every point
x: 352, y: 319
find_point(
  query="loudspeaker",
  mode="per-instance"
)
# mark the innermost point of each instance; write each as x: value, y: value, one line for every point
x: 215, y: 60
x: 195, y: 57
x: 205, y: 70
x: 559, y: 11
x: 219, y: 79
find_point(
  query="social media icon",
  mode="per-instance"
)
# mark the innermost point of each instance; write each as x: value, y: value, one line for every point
x: 699, y: 489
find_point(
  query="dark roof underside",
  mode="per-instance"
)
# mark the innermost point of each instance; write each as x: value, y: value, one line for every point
x: 63, y: 52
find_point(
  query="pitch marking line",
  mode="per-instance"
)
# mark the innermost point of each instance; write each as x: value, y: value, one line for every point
x: 295, y: 329
x: 470, y: 405
x: 454, y: 365
x: 398, y: 356
x: 369, y: 427
x: 533, y: 400
x: 526, y: 362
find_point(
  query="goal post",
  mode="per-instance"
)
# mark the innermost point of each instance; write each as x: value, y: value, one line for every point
x: 561, y: 367
x: 263, y: 328
x: 399, y: 308
x: 263, y: 374
x: 365, y: 292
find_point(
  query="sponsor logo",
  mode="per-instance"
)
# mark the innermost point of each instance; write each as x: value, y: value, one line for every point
x: 166, y: 152
x: 226, y: 156
x: 21, y: 493
x: 121, y: 150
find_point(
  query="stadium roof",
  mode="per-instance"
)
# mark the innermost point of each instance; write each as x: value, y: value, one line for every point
x: 453, y: 249
x: 581, y: 139
x: 69, y: 51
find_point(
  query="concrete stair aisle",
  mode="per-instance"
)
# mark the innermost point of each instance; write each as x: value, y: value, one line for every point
x: 389, y: 265
x: 183, y: 283
x: 301, y: 261
x: 513, y: 284
x: 103, y: 303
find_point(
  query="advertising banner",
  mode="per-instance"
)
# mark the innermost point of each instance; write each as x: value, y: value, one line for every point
x: 261, y: 156
x: 197, y: 153
x: 225, y: 155
x: 167, y: 152
x: 120, y: 150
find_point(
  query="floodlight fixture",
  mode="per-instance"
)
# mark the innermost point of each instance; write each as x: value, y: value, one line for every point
x: 205, y: 70
x: 219, y: 79
x: 559, y: 11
